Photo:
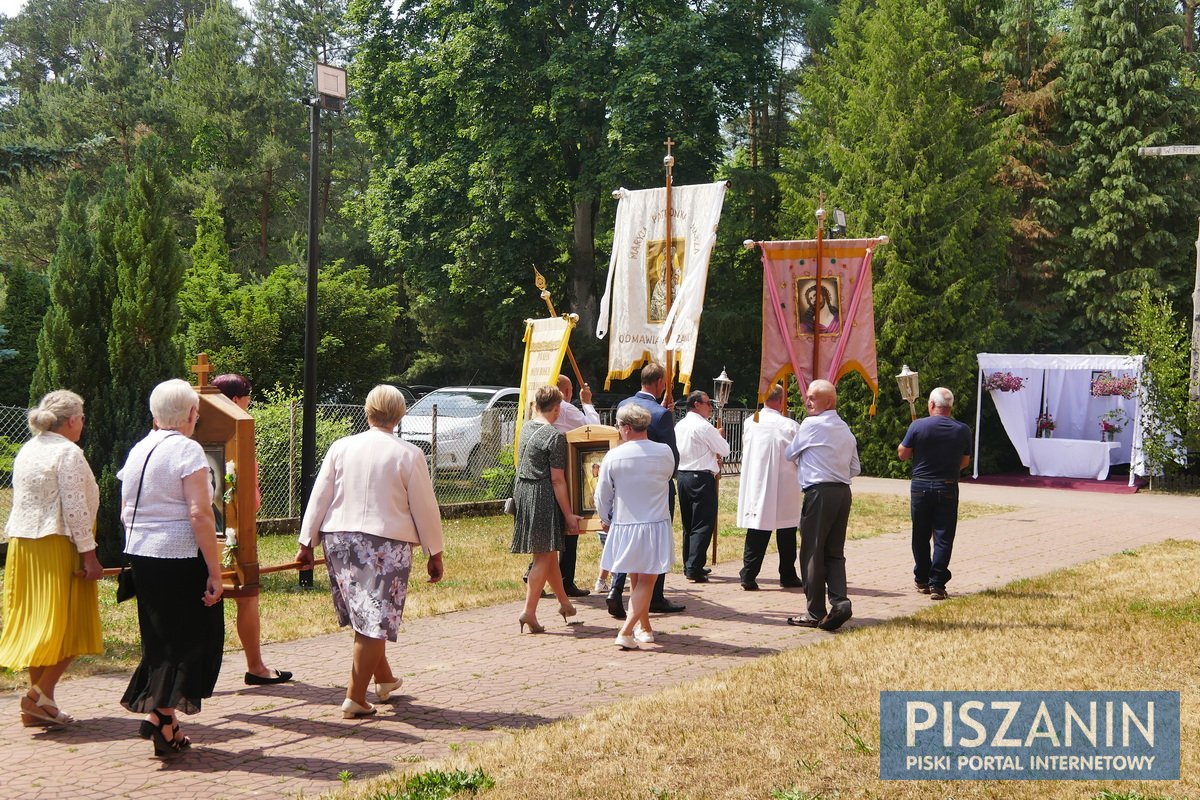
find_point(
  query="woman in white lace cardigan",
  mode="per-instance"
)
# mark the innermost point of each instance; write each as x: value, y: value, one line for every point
x: 51, y: 615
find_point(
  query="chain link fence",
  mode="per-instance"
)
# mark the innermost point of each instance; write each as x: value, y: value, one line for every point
x: 470, y: 459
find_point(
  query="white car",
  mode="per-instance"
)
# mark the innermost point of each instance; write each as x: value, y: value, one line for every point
x: 474, y: 423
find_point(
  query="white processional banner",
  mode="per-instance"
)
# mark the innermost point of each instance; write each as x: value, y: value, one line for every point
x: 634, y: 306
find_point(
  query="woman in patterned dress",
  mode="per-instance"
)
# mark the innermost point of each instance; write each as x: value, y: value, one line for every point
x: 540, y: 495
x: 51, y: 615
x: 371, y: 502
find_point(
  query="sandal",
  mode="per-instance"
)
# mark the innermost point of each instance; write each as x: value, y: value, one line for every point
x: 43, y: 711
x: 162, y: 745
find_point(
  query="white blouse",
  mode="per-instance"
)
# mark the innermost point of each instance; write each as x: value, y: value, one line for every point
x: 634, y: 483
x: 163, y: 525
x: 54, y: 492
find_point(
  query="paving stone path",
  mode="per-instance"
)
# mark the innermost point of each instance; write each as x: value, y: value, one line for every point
x: 469, y: 675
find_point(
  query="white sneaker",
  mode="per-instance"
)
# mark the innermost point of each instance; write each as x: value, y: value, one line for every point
x: 642, y: 635
x: 601, y: 586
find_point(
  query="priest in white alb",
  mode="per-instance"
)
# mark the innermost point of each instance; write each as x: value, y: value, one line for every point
x: 769, y: 494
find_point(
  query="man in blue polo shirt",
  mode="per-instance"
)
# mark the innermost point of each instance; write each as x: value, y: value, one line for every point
x: 940, y: 448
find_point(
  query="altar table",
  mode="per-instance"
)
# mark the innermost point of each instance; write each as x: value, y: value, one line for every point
x: 1070, y: 458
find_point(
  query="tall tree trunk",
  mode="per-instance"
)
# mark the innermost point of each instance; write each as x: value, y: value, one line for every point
x: 264, y: 214
x: 1189, y: 25
x: 581, y: 280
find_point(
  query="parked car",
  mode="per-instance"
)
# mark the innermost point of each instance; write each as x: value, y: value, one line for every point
x: 473, y: 424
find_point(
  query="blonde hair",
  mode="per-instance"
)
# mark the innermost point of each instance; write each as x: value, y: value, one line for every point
x: 171, y: 402
x: 385, y: 405
x: 546, y: 398
x: 53, y: 410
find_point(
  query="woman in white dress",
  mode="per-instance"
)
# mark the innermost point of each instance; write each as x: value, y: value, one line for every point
x: 631, y: 498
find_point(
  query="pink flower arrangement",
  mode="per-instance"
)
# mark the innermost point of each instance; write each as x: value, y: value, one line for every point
x: 1112, y: 422
x: 1045, y: 423
x: 1106, y: 385
x: 1003, y: 382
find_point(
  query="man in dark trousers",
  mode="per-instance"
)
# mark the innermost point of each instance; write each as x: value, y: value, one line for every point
x: 940, y: 448
x: 826, y: 453
x: 662, y: 429
x: 701, y: 449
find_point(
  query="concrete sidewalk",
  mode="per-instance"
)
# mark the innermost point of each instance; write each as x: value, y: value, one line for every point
x: 469, y: 675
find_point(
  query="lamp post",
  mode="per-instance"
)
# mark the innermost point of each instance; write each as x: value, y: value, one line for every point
x: 721, y: 386
x: 909, y: 388
x: 330, y: 83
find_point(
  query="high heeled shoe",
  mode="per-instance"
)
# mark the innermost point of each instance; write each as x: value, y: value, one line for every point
x: 384, y: 690
x: 567, y: 610
x: 163, y: 746
x: 38, y: 712
x: 534, y: 627
x: 352, y: 710
x: 146, y: 731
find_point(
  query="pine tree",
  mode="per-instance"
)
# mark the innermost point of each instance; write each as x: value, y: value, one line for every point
x: 149, y: 272
x: 895, y: 135
x: 1123, y: 220
x: 24, y: 308
x: 72, y: 345
x: 209, y: 290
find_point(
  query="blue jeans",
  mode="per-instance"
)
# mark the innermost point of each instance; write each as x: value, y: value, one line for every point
x: 934, y: 508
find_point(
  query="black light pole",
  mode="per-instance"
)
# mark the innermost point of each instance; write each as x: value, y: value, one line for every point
x: 331, y: 93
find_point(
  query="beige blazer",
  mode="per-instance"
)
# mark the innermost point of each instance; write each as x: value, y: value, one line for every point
x: 374, y: 483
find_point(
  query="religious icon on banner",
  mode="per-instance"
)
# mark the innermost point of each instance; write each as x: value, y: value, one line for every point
x: 830, y: 322
x: 656, y: 278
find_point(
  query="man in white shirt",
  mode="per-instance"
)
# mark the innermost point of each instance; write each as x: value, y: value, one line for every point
x: 827, y: 455
x: 570, y: 418
x: 769, y: 492
x: 701, y: 448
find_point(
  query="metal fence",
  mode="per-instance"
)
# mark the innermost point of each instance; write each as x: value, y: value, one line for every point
x: 470, y: 460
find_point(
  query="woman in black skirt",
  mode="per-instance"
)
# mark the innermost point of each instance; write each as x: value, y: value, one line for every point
x: 171, y: 542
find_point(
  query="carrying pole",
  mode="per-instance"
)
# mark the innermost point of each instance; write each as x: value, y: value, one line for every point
x: 816, y: 368
x: 539, y: 280
x: 669, y: 273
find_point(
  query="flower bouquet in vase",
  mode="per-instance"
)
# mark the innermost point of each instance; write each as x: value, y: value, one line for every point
x: 1112, y: 422
x: 1046, y: 425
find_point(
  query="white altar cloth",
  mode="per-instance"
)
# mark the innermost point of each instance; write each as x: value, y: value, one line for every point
x: 1069, y: 458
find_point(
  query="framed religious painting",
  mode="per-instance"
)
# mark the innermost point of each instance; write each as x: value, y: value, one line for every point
x: 586, y: 448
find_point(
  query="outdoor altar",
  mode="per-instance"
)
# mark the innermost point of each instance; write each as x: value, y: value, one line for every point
x: 1066, y: 415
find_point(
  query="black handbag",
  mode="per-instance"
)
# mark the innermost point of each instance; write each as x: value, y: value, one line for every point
x: 126, y: 583
x: 126, y: 586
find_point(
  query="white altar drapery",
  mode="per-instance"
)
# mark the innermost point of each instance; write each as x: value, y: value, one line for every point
x: 1065, y: 383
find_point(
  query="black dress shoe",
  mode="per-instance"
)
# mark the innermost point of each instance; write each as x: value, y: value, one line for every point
x: 750, y: 586
x: 666, y: 607
x: 280, y: 676
x: 615, y: 607
x: 574, y: 591
x: 803, y: 622
x: 701, y: 578
x: 836, y: 618
x: 791, y: 583
x: 707, y: 571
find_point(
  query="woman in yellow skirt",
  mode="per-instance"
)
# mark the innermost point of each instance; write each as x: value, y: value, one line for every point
x: 51, y: 615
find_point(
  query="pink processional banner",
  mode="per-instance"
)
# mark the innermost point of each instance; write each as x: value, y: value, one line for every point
x: 843, y: 318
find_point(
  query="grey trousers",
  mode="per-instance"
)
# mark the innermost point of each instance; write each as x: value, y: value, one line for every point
x: 823, y: 520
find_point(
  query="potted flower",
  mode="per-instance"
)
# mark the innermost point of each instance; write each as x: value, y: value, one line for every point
x: 1046, y: 425
x: 1112, y: 422
x: 1003, y: 382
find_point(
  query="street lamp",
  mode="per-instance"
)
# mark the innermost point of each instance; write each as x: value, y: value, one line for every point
x: 909, y: 388
x: 721, y: 386
x: 330, y: 83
